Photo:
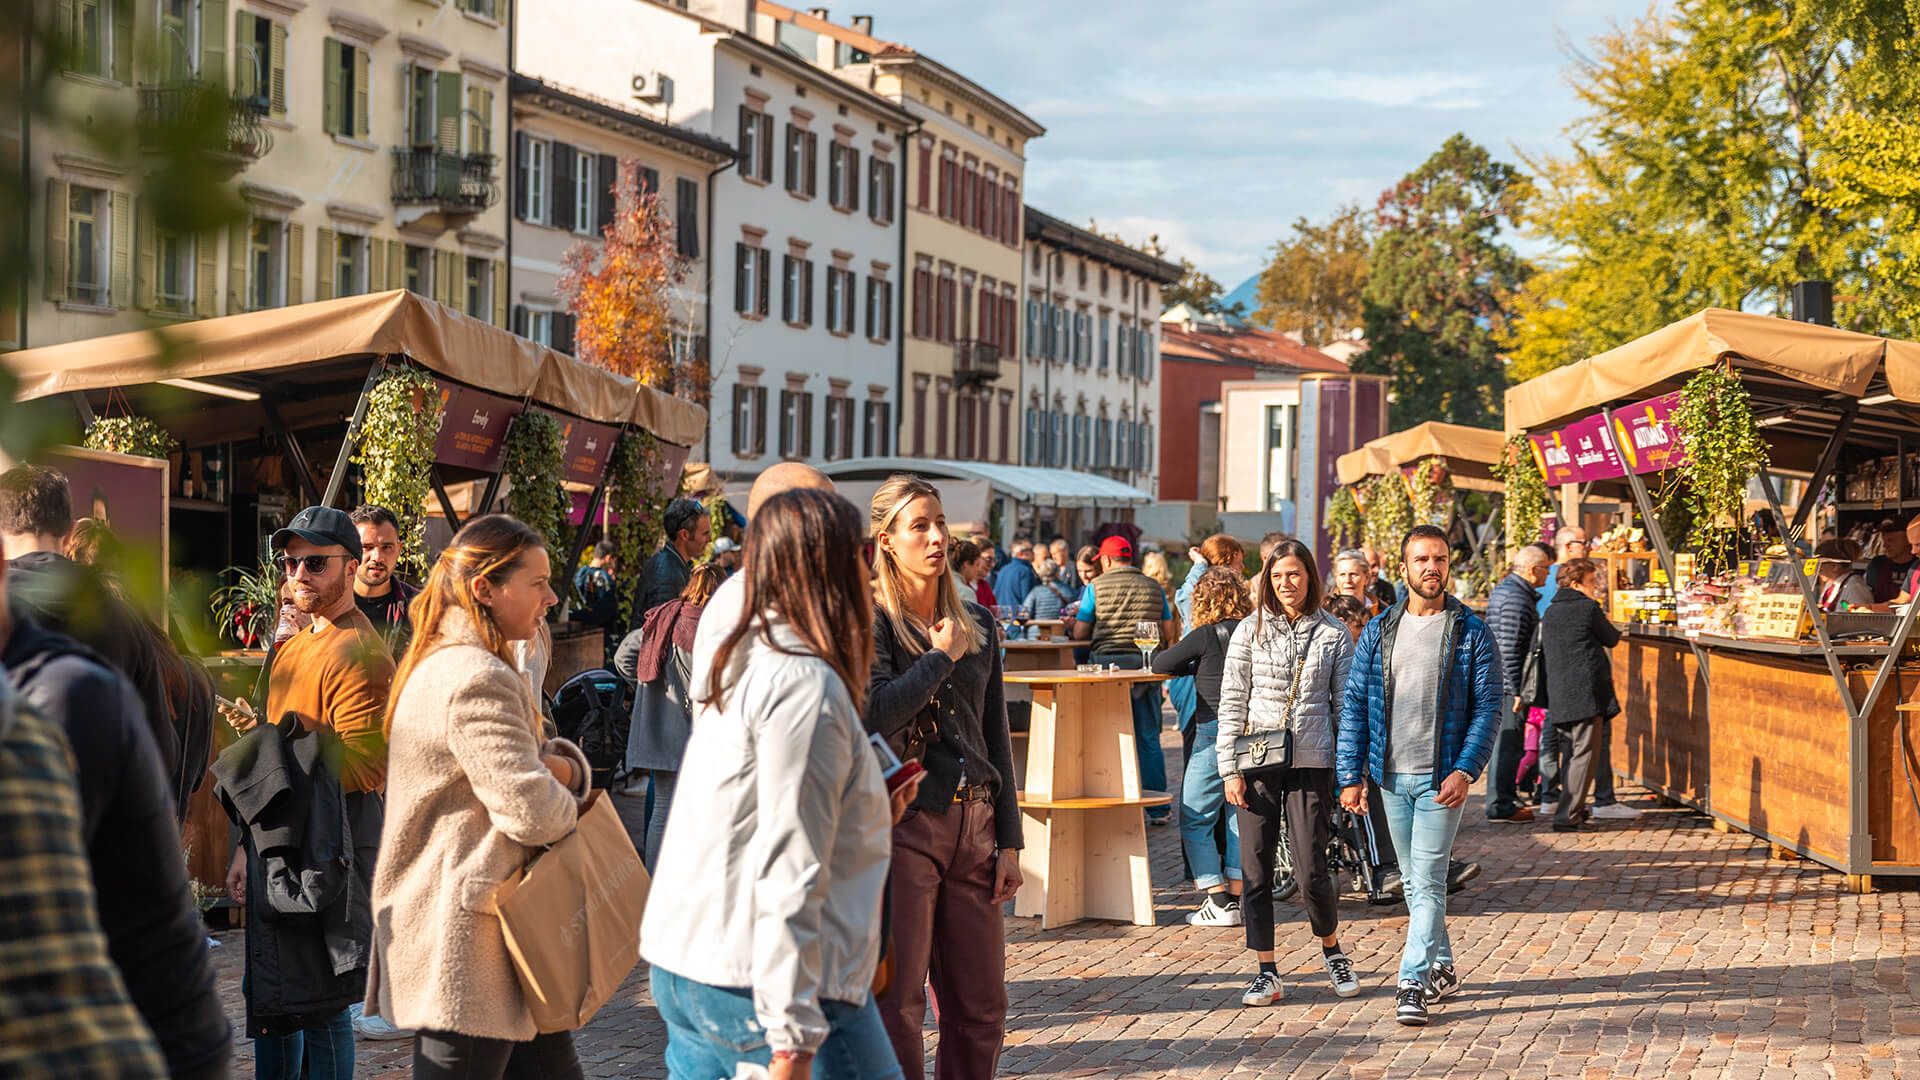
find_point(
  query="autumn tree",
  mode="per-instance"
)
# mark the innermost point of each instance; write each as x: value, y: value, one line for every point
x: 621, y: 292
x: 1200, y: 291
x: 1440, y: 280
x: 1314, y: 283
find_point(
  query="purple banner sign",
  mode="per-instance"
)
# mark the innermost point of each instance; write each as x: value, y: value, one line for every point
x: 1585, y: 451
x: 473, y: 433
x: 1644, y: 436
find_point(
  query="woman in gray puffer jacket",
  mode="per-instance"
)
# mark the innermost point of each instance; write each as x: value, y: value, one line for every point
x: 1286, y: 669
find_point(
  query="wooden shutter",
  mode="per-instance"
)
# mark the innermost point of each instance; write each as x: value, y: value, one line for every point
x: 793, y: 158
x: 146, y: 261
x: 607, y: 177
x: 520, y: 175
x: 213, y: 43
x: 396, y: 264
x: 813, y: 164
x: 122, y: 43
x: 687, y: 217
x: 748, y: 128
x: 120, y: 229
x: 853, y: 178
x: 237, y: 234
x: 247, y: 76
x: 806, y: 292
x: 740, y: 270
x: 498, y: 286
x: 206, y: 285
x: 362, y: 91
x: 765, y: 145
x: 56, y: 239
x: 763, y: 267
x: 323, y: 280
x: 564, y: 327
x: 444, y: 273
x: 560, y: 173
x: 277, y: 69
x: 296, y: 265
x: 446, y: 111
x: 332, y: 91
x: 519, y: 325
x: 649, y: 180
x: 377, y: 265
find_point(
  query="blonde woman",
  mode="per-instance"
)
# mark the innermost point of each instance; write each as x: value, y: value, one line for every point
x: 936, y: 695
x: 473, y: 792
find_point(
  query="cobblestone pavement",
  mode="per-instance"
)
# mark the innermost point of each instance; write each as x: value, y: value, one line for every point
x: 1653, y: 947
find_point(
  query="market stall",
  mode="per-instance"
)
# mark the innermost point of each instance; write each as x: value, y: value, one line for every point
x: 1741, y: 696
x: 1452, y: 468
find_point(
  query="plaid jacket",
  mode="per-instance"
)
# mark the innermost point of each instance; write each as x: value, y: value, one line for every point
x: 63, y: 1009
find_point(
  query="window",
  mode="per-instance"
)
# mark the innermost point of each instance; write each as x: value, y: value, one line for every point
x: 266, y: 264
x: 750, y: 271
x: 880, y: 190
x: 925, y: 201
x: 423, y: 91
x: 532, y: 174
x: 879, y: 309
x: 88, y: 222
x: 418, y: 270
x: 942, y: 410
x: 1106, y: 343
x: 796, y: 423
x: 879, y: 429
x: 840, y: 300
x: 349, y: 257
x: 92, y: 35
x: 949, y: 182
x: 345, y: 106
x: 174, y: 263
x: 1010, y: 215
x: 756, y: 145
x: 479, y: 119
x: 180, y: 40
x: 796, y: 290
x: 260, y: 61
x: 686, y: 217
x: 839, y: 441
x: 969, y: 193
x: 920, y: 416
x: 488, y: 8
x: 843, y: 177
x: 803, y: 149
x: 1032, y: 455
x: 963, y: 427
x: 479, y: 289
x: 923, y: 298
x: 584, y: 192
x: 749, y: 420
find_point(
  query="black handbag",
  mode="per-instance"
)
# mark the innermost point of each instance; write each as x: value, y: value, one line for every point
x: 1532, y: 691
x: 911, y: 742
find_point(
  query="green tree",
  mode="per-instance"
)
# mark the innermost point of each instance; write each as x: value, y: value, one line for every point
x: 1439, y: 284
x: 1314, y: 284
x: 1198, y: 289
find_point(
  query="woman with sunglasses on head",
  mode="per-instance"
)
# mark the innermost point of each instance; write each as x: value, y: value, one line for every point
x: 936, y: 695
x: 1285, y: 675
x: 780, y: 806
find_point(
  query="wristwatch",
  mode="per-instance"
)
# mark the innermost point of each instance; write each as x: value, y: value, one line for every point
x: 792, y: 1055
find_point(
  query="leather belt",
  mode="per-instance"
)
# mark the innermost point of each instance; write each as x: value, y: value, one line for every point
x: 973, y: 793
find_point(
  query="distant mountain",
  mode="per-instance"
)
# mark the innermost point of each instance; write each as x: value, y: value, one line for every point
x: 1244, y: 293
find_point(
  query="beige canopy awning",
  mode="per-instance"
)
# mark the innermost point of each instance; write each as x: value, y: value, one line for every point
x: 1469, y: 453
x: 396, y: 323
x: 1821, y: 358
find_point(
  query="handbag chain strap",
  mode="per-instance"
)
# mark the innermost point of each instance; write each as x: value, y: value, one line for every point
x: 1299, y: 667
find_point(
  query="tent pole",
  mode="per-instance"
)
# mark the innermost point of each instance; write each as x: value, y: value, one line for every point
x: 1829, y: 460
x: 446, y: 500
x: 1807, y: 595
x: 338, y: 478
x: 1645, y: 505
x: 82, y: 406
x: 295, y: 455
x: 579, y: 545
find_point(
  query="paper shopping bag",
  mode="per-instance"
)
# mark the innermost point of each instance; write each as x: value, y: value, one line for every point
x: 572, y: 919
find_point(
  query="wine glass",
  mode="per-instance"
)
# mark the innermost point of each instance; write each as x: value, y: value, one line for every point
x: 1020, y: 617
x: 1146, y: 638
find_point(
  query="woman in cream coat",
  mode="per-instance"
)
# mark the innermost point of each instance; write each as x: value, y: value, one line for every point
x: 472, y: 791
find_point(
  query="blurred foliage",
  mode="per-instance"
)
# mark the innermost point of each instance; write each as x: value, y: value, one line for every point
x: 395, y: 455
x: 639, y: 499
x: 1527, y: 499
x: 136, y: 435
x: 534, y: 461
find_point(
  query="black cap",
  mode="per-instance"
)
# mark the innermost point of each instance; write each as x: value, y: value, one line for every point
x: 320, y: 525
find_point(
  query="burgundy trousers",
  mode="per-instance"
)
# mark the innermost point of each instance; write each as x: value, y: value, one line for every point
x: 947, y: 933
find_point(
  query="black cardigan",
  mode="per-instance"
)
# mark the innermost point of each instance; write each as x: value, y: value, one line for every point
x: 970, y: 709
x: 1574, y: 636
x: 1203, y: 655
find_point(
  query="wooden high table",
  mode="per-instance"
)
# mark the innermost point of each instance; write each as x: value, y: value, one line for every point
x: 1086, y: 853
x: 1052, y: 655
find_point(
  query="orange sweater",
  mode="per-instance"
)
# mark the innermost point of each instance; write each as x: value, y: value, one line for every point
x: 338, y: 677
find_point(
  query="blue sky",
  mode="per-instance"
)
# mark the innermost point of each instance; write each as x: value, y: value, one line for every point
x: 1216, y: 124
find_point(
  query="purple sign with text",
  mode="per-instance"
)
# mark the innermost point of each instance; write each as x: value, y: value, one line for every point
x: 1584, y: 451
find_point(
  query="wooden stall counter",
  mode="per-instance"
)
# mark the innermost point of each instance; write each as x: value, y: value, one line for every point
x: 1086, y: 853
x: 1660, y: 736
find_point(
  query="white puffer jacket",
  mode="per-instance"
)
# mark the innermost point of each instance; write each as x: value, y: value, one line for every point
x: 1260, y: 673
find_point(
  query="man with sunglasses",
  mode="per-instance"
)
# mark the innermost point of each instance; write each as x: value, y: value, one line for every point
x: 335, y: 673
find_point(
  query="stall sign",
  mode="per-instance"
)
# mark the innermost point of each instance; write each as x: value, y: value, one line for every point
x: 473, y: 432
x: 1585, y: 451
x: 589, y: 448
x: 1645, y: 437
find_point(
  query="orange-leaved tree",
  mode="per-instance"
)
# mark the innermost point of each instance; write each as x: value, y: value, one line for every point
x: 621, y: 294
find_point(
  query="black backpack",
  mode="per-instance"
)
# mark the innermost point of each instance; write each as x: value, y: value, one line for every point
x: 594, y: 711
x: 1532, y: 690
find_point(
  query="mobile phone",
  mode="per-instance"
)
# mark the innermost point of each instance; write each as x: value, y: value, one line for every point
x: 894, y: 771
x: 242, y: 705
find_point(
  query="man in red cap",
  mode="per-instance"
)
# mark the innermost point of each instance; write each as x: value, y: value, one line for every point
x: 1110, y: 607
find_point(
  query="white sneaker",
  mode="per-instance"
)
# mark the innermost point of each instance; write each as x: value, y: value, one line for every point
x: 1266, y: 989
x: 1212, y: 912
x: 1615, y: 812
x: 377, y: 1029
x: 1340, y: 970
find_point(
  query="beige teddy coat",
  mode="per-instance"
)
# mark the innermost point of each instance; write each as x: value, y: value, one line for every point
x: 468, y: 800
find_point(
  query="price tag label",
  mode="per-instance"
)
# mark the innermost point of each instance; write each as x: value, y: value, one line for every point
x: 1811, y: 567
x: 1766, y: 566
x: 1745, y: 569
x: 1659, y: 576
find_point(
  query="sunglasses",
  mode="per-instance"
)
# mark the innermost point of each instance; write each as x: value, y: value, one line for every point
x: 315, y: 564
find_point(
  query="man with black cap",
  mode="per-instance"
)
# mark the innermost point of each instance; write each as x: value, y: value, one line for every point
x: 335, y: 674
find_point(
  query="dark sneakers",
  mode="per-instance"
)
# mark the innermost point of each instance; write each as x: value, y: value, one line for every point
x: 1410, y: 1006
x: 1442, y: 981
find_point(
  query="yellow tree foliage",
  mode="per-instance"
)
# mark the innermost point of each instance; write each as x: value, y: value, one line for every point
x: 621, y: 293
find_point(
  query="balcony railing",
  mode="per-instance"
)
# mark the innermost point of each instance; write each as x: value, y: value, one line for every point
x: 976, y: 361
x: 171, y: 111
x: 462, y: 183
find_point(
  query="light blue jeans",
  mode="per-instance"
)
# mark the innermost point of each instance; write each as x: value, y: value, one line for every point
x: 712, y: 1029
x: 1423, y: 838
x: 1203, y: 800
x: 326, y: 1050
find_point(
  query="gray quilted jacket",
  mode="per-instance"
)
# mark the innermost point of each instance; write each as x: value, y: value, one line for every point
x: 1260, y: 672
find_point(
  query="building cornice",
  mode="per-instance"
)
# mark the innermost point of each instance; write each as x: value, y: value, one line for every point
x: 357, y: 26
x: 538, y: 94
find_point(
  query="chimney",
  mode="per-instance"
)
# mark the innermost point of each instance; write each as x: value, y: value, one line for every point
x: 733, y: 14
x: 1812, y: 302
x: 863, y: 24
x: 818, y: 13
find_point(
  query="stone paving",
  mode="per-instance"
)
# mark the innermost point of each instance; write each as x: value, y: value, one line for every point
x: 1653, y: 947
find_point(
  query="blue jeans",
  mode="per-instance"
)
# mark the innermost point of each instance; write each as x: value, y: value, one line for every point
x: 712, y: 1029
x: 327, y: 1051
x: 1203, y: 800
x: 1423, y: 837
x: 1146, y: 740
x: 1186, y: 700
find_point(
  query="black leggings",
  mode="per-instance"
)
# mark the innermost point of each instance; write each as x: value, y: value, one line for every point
x: 443, y: 1055
x: 1307, y: 798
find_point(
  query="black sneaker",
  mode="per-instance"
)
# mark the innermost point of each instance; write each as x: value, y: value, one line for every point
x: 1391, y: 891
x: 1442, y: 981
x: 1411, y: 1003
x: 1459, y: 873
x: 1265, y: 989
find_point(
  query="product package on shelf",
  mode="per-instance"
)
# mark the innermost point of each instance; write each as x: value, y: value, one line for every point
x: 1706, y: 608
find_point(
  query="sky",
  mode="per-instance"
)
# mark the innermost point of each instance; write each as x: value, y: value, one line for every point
x: 1216, y: 124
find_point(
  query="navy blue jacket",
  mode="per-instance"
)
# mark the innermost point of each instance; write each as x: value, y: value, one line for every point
x: 1512, y: 615
x: 1470, y: 697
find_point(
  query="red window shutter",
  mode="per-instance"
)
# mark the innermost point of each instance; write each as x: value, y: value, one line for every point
x: 926, y: 176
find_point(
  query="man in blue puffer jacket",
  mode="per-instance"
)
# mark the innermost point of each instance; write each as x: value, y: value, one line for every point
x: 1421, y: 714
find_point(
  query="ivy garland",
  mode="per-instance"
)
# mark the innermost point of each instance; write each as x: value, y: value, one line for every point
x: 1724, y: 451
x: 1526, y: 489
x: 535, y: 465
x: 632, y: 496
x: 395, y: 455
x: 1430, y: 491
x: 1389, y: 515
x: 134, y: 435
x: 1344, y: 524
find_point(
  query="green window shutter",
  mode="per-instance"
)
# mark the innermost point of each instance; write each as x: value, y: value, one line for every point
x: 246, y: 72
x: 376, y: 265
x: 296, y: 252
x: 330, y: 118
x: 206, y: 288
x: 444, y: 272
x: 277, y: 69
x: 122, y: 40
x: 499, y: 292
x: 323, y: 279
x: 146, y: 264
x: 121, y: 229
x: 237, y: 234
x: 56, y: 240
x: 447, y: 112
x: 396, y: 265
x: 213, y: 43
x: 362, y: 88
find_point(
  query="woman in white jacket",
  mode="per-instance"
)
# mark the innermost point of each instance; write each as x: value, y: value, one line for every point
x: 765, y: 929
x: 1285, y: 674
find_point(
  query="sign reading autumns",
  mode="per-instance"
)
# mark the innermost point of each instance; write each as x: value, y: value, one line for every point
x: 1585, y: 451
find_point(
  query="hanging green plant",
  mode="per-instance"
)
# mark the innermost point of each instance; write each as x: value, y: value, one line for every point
x: 632, y: 480
x: 395, y: 455
x: 246, y: 610
x: 1527, y: 499
x: 134, y: 435
x: 534, y: 462
x: 1344, y: 525
x: 1389, y: 514
x: 1724, y: 451
x: 1430, y: 491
